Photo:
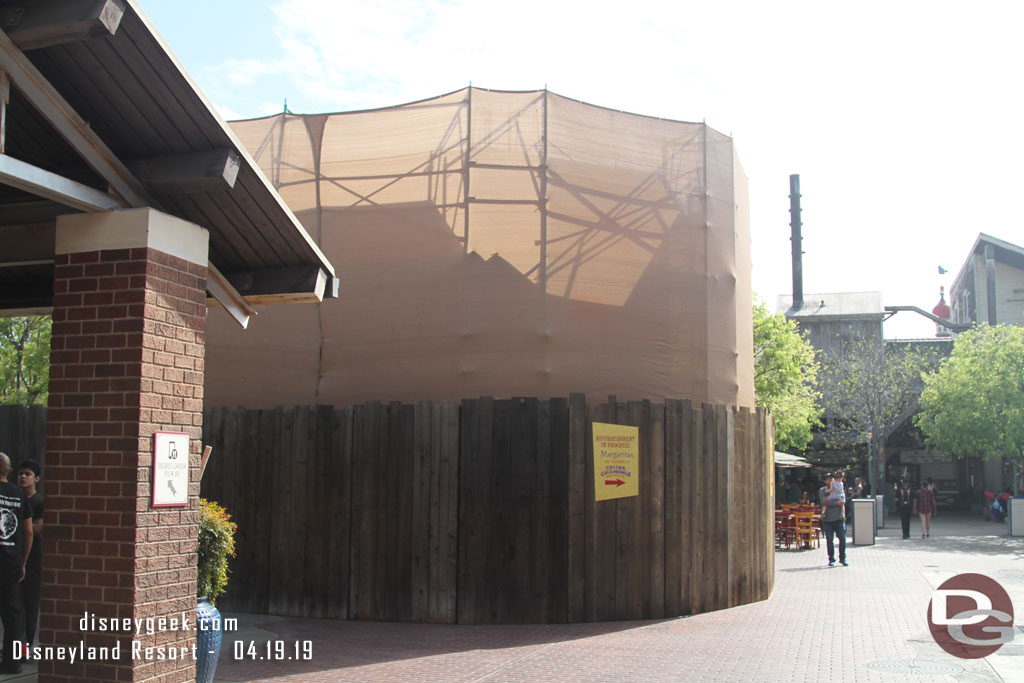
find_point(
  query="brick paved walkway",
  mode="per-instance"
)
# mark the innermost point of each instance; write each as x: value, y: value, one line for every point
x: 820, y: 624
x: 837, y: 625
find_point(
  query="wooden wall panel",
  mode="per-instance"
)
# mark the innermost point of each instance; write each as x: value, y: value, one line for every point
x: 483, y: 511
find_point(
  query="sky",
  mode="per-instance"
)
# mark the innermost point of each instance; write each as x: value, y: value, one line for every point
x: 904, y: 119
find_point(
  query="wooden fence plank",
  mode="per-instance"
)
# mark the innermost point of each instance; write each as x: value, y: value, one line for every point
x: 469, y: 510
x: 535, y: 449
x: 655, y: 428
x: 700, y: 492
x: 576, y: 544
x: 632, y: 553
x: 35, y: 449
x: 365, y: 549
x: 405, y: 514
x: 475, y: 511
x: 606, y: 555
x: 356, y: 513
x: 596, y: 412
x: 385, y: 587
x: 297, y: 547
x: 425, y: 513
x: 724, y: 502
x: 674, y: 519
x: 556, y: 417
x: 322, y: 526
x: 339, y: 478
x: 245, y: 537
x: 449, y: 532
x: 281, y: 501
x: 500, y: 542
x: 261, y: 482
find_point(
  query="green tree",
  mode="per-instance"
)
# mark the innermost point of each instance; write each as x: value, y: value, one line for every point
x: 870, y: 389
x: 785, y: 373
x: 24, y: 360
x: 974, y: 402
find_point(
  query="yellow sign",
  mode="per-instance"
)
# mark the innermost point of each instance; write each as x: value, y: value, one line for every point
x: 616, y: 461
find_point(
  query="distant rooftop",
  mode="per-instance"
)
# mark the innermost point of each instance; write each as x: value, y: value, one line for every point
x: 1005, y: 252
x: 834, y: 305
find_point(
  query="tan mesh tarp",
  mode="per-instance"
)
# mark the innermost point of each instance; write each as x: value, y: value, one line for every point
x: 632, y: 279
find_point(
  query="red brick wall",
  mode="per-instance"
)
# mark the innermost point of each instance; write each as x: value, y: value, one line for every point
x: 126, y: 361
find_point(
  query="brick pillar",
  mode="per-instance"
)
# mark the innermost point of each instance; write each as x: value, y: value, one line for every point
x: 129, y: 319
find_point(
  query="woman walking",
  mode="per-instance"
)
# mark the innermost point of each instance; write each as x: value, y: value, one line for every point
x: 924, y: 506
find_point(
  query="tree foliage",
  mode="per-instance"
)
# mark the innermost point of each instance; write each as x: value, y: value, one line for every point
x: 24, y: 360
x: 870, y: 389
x: 785, y: 372
x: 974, y: 402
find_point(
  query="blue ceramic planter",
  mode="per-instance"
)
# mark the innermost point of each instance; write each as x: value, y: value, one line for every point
x: 208, y: 640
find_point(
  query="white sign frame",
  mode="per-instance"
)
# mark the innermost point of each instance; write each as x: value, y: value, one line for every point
x: 170, y: 480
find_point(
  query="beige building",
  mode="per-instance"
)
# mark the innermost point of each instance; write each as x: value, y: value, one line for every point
x: 990, y: 285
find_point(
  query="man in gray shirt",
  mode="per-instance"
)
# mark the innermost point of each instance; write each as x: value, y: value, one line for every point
x: 832, y: 524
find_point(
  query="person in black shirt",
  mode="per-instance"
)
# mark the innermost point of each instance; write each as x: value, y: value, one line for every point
x: 15, y: 546
x: 28, y: 479
x: 904, y: 505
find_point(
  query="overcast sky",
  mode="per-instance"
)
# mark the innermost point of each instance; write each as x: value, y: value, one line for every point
x: 904, y: 119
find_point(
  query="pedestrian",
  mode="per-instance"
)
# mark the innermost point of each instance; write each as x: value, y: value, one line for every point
x: 832, y: 524
x: 924, y: 506
x: 837, y: 492
x: 29, y: 472
x: 15, y: 546
x: 904, y: 505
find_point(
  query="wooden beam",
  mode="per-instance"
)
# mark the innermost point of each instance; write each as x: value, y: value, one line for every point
x: 53, y: 22
x: 55, y: 187
x: 32, y: 213
x: 5, y: 98
x: 224, y: 293
x: 283, y: 285
x: 206, y: 171
x: 45, y: 98
x: 27, y: 245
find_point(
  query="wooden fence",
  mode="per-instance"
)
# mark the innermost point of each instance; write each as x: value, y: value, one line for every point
x: 23, y: 436
x: 482, y: 511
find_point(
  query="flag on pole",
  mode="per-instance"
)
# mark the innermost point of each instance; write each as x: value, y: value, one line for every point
x: 942, y: 271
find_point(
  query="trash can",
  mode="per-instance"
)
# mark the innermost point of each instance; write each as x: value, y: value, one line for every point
x: 879, y: 512
x: 864, y: 521
x: 1015, y: 520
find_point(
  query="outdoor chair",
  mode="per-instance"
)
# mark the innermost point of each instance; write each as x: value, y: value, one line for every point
x: 785, y: 530
x: 807, y: 535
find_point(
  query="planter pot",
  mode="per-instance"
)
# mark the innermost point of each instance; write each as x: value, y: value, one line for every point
x: 208, y: 640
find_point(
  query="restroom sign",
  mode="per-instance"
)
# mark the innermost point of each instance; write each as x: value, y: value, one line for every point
x: 170, y: 469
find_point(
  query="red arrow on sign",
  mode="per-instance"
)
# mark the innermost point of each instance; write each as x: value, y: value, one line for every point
x: 614, y: 482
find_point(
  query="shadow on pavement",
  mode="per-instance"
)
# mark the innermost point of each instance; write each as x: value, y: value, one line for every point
x: 347, y: 644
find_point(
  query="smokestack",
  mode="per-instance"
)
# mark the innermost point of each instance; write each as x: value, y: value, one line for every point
x: 794, y: 224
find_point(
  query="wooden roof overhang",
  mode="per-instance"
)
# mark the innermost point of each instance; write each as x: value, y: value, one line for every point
x: 99, y: 115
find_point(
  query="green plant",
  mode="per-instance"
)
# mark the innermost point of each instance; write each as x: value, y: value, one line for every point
x: 216, y: 545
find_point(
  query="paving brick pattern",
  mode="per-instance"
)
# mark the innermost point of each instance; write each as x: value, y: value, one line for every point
x: 820, y: 624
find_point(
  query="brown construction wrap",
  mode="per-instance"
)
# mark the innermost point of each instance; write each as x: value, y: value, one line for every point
x: 592, y: 251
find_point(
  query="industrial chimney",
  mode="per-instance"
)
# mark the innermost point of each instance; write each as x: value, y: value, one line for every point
x: 794, y: 224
